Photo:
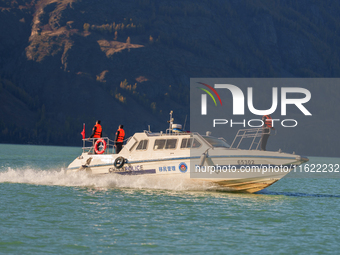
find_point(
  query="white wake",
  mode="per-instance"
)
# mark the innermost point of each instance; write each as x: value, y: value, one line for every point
x: 82, y: 179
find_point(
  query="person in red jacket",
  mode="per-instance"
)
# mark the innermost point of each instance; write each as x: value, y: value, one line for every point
x: 96, y: 131
x: 120, y: 135
x: 267, y: 125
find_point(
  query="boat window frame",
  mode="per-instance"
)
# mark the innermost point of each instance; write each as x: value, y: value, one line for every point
x: 154, y: 144
x: 165, y: 143
x: 200, y: 144
x: 192, y: 142
x: 146, y: 147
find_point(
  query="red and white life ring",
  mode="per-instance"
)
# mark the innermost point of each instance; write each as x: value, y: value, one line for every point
x: 96, y: 146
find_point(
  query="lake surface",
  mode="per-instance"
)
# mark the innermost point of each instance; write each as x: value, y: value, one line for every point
x: 43, y: 211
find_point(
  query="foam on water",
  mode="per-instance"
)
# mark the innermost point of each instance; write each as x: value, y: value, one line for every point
x: 81, y: 179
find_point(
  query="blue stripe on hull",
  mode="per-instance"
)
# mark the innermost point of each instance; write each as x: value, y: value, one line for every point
x: 190, y: 158
x: 149, y: 171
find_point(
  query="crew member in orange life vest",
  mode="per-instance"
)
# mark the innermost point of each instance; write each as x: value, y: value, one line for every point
x: 267, y: 125
x: 96, y: 131
x: 120, y: 135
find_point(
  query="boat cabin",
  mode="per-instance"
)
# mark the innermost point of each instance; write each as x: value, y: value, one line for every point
x: 159, y: 142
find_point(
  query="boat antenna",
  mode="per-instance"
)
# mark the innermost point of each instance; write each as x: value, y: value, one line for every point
x: 149, y: 129
x: 185, y: 122
x: 171, y: 120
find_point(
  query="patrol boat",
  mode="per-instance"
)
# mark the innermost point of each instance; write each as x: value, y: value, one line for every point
x: 186, y: 155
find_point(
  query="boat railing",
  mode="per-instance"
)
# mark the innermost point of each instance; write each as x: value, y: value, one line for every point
x: 88, y: 145
x: 254, y: 133
x: 168, y: 132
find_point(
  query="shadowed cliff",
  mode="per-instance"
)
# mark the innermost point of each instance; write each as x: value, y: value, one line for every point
x: 68, y: 62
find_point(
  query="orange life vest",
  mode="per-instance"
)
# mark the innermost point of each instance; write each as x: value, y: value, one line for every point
x: 98, y: 132
x: 268, y: 123
x: 121, y: 135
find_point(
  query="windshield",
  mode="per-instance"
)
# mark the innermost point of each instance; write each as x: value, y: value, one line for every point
x: 216, y: 142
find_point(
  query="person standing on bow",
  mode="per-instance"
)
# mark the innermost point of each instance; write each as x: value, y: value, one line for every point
x: 96, y: 131
x: 267, y: 126
x: 120, y: 135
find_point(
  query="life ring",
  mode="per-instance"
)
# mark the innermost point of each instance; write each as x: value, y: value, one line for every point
x: 96, y: 146
x: 119, y: 162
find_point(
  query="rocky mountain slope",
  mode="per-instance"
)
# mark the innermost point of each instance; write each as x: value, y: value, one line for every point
x: 68, y: 62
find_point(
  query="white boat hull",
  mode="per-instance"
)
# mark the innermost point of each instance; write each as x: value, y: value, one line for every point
x: 180, y: 167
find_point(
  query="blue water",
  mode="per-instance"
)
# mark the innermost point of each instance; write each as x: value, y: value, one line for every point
x: 44, y: 211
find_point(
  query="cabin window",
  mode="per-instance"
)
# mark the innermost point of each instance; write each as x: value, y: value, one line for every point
x: 142, y: 145
x: 190, y: 143
x: 165, y: 144
x: 159, y: 144
x: 170, y: 143
x: 184, y: 143
x: 196, y: 144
